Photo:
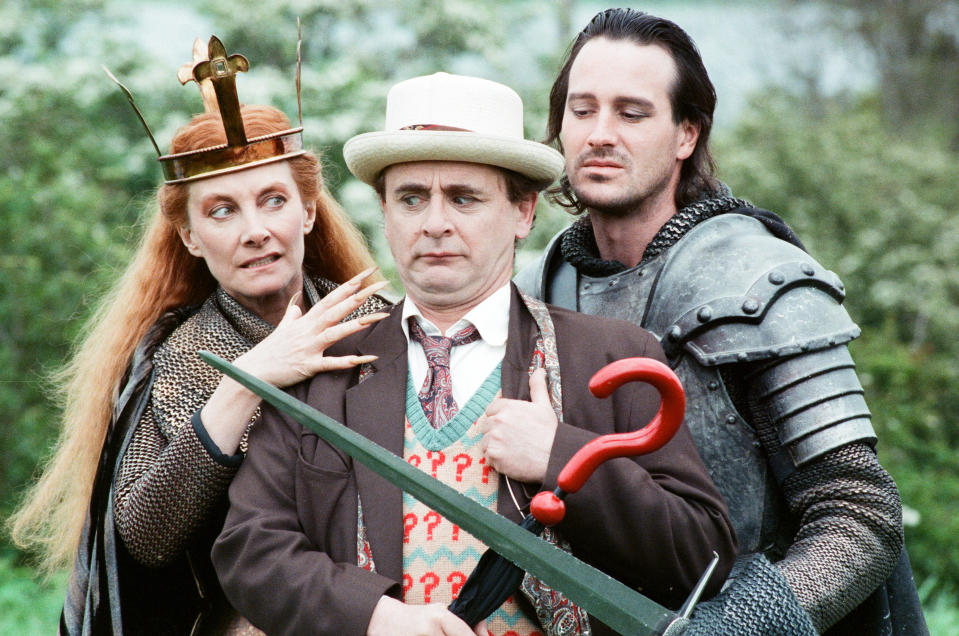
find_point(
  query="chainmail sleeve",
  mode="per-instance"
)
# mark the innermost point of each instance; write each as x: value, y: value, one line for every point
x: 169, y: 483
x: 846, y: 506
x: 177, y: 476
x: 850, y: 531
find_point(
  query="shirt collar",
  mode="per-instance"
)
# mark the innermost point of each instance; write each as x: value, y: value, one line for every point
x: 490, y: 317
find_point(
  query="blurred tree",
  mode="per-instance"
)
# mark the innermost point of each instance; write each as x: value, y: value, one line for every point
x: 74, y: 156
x: 915, y: 44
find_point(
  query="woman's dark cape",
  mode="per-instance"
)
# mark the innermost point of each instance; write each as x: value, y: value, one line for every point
x: 108, y: 591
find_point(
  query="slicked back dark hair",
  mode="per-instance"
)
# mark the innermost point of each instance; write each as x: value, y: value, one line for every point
x: 692, y: 96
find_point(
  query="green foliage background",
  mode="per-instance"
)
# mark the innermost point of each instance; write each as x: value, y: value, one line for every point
x: 868, y: 178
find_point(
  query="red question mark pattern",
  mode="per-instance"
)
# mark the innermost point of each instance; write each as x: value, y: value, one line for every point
x: 437, y: 557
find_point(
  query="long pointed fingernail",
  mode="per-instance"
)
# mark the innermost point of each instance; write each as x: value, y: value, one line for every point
x: 359, y: 278
x: 358, y: 360
x: 369, y: 319
x: 369, y: 290
x: 295, y: 299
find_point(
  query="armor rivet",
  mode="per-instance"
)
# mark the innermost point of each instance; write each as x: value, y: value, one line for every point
x: 713, y: 385
x: 705, y: 314
x: 641, y: 272
x: 807, y: 269
x: 585, y: 285
x: 750, y: 306
x: 776, y: 278
x: 675, y: 333
x: 730, y: 419
x: 611, y: 283
x: 742, y: 356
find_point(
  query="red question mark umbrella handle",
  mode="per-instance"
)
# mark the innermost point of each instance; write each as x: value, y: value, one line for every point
x: 548, y: 507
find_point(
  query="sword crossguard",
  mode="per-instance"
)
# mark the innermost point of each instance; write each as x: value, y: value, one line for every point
x: 548, y: 507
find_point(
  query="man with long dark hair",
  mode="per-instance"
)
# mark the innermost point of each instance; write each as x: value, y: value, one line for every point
x: 751, y: 323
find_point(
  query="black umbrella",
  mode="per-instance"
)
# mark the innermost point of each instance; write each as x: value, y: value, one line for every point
x: 496, y: 578
x: 492, y: 581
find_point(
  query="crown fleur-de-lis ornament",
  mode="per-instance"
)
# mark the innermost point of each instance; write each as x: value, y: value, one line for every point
x: 215, y: 72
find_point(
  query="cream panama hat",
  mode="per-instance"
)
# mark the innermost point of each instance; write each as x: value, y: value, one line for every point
x: 443, y: 117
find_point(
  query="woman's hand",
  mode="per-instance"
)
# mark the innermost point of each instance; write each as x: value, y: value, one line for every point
x: 294, y: 351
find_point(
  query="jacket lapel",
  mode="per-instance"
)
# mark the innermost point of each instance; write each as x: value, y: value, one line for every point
x: 520, y: 344
x: 376, y: 409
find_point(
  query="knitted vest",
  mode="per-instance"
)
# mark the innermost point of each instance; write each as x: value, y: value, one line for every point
x: 555, y: 612
x: 437, y: 555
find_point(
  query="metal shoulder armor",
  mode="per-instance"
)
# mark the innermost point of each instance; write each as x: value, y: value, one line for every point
x: 550, y: 278
x: 731, y: 292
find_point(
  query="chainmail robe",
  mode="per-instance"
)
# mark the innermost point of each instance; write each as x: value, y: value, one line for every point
x: 169, y: 483
x: 844, y: 505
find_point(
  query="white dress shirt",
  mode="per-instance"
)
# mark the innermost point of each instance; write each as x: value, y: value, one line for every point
x: 470, y: 364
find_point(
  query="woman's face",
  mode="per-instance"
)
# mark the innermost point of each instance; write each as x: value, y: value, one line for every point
x: 249, y: 226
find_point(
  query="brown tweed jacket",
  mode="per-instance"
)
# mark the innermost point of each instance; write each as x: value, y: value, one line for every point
x: 287, y: 554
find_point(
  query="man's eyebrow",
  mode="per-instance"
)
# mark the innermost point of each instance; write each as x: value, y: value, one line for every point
x: 620, y: 100
x: 642, y: 102
x: 571, y: 96
x: 410, y: 186
x: 455, y: 189
x: 451, y: 189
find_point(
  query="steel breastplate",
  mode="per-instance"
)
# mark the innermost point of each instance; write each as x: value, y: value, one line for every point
x: 729, y: 448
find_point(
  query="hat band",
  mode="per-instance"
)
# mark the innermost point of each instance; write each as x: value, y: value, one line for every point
x: 208, y: 162
x: 435, y: 127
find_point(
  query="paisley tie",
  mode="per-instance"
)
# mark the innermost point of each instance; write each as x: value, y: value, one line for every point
x: 436, y: 395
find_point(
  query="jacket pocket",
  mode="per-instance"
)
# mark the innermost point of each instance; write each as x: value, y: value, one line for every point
x: 325, y: 494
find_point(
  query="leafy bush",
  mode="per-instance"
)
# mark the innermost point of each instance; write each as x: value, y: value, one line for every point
x: 27, y: 606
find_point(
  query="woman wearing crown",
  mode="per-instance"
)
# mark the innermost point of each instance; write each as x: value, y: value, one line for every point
x: 246, y: 256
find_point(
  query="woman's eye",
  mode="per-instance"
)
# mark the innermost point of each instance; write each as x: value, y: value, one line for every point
x: 275, y: 201
x: 220, y: 212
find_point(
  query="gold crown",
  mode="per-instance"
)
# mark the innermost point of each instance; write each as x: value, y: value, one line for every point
x: 215, y: 73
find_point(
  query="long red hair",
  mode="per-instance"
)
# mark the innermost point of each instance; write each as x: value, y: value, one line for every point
x: 161, y: 275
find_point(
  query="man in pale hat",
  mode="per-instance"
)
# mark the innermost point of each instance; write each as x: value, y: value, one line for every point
x: 315, y: 543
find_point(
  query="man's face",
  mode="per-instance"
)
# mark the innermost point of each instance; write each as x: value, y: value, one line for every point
x: 621, y: 145
x: 451, y: 229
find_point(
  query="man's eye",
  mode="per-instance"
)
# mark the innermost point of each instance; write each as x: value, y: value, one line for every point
x: 411, y: 200
x: 463, y: 199
x: 633, y: 115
